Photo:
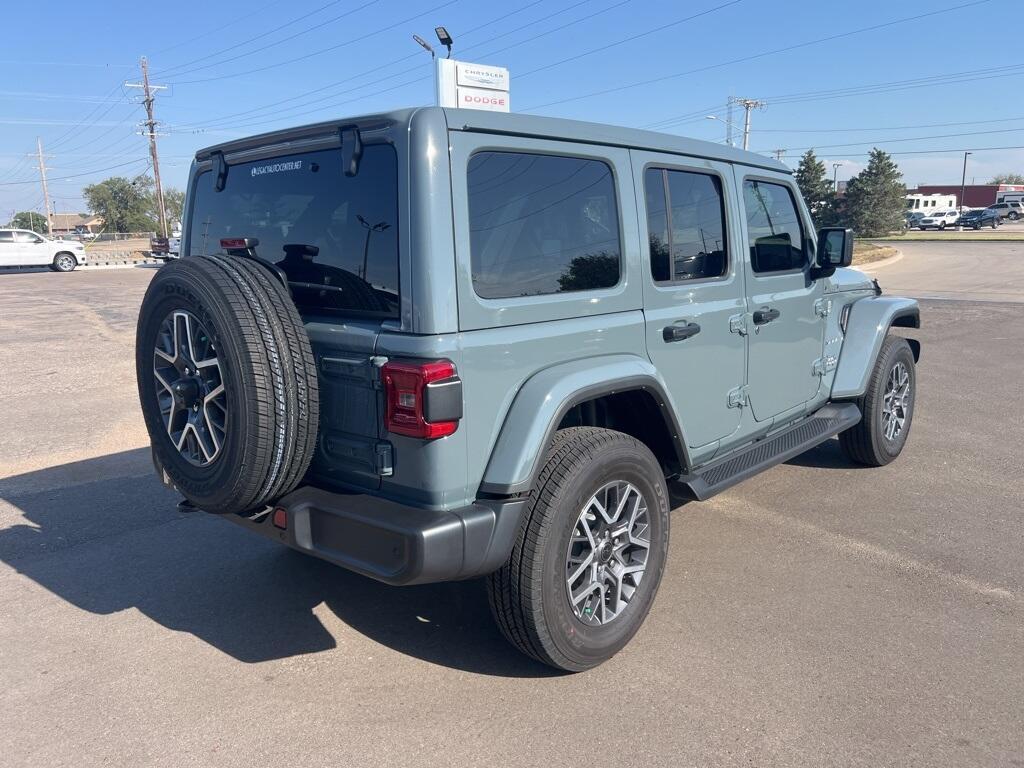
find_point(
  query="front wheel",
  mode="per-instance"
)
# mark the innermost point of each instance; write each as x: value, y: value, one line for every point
x: 64, y: 262
x: 590, y: 552
x: 942, y: 225
x: 887, y: 407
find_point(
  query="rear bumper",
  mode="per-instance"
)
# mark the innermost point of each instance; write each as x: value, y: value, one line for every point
x: 391, y: 542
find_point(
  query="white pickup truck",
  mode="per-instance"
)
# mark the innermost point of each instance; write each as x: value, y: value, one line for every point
x: 24, y: 248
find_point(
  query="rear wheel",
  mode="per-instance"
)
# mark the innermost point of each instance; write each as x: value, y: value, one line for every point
x: 887, y: 407
x: 590, y: 554
x: 64, y: 262
x: 227, y: 382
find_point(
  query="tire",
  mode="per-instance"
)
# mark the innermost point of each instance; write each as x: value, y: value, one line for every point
x: 64, y: 262
x: 255, y: 434
x: 529, y: 596
x: 1014, y: 215
x: 976, y: 227
x: 867, y: 442
x: 942, y: 225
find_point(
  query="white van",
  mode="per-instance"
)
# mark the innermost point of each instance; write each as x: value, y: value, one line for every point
x: 24, y: 248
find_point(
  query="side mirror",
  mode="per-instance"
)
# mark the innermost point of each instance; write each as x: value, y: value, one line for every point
x: 835, y: 249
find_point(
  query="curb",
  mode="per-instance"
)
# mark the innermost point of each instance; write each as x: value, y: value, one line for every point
x: 873, y: 265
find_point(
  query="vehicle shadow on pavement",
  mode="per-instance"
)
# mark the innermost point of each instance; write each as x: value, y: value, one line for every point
x: 118, y: 542
x: 827, y: 455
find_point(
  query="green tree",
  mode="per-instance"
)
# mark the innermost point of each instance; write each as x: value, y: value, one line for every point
x: 594, y: 270
x: 126, y: 205
x: 875, y: 197
x: 174, y: 203
x: 1008, y: 178
x: 816, y: 188
x: 29, y: 220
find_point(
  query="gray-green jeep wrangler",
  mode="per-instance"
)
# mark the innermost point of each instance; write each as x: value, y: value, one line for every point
x: 438, y: 344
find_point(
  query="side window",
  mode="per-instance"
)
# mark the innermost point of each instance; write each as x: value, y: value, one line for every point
x: 685, y: 225
x: 6, y: 237
x: 541, y: 224
x: 774, y: 232
x: 26, y: 237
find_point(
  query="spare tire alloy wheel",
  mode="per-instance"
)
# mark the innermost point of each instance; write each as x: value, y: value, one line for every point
x: 227, y: 383
x: 190, y: 388
x: 607, y: 553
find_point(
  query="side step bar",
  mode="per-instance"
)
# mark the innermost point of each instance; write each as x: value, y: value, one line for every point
x: 725, y: 472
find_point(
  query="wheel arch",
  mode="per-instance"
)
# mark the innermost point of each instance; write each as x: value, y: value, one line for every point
x: 869, y: 323
x: 590, y: 392
x: 66, y: 253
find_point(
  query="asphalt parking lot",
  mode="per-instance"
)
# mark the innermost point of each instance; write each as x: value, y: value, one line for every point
x: 818, y: 614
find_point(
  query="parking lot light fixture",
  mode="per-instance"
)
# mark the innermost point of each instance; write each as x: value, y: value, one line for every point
x: 444, y: 38
x: 427, y: 46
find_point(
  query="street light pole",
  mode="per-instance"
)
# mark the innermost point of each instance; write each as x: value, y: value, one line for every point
x: 963, y: 183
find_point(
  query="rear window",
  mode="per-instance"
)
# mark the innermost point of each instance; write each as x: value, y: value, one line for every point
x: 541, y: 224
x: 334, y: 236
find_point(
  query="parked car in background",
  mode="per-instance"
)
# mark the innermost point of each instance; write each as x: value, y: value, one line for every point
x: 24, y: 248
x: 912, y: 217
x: 938, y: 220
x: 984, y: 217
x: 1009, y: 210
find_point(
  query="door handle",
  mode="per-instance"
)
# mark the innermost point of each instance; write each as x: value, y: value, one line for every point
x: 679, y: 332
x: 765, y: 315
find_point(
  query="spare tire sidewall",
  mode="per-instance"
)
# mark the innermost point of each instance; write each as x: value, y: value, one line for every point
x: 178, y: 291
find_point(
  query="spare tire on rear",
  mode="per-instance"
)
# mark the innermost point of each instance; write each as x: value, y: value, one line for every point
x: 227, y: 382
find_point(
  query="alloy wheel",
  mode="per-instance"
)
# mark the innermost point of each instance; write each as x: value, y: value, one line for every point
x: 190, y: 388
x: 896, y: 401
x: 607, y: 553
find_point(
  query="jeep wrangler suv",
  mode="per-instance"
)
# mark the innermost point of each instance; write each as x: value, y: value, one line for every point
x: 437, y: 344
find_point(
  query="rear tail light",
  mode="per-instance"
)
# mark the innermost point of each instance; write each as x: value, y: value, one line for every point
x: 422, y: 399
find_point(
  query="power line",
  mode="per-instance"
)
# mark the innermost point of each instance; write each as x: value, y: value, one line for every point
x: 376, y: 69
x: 219, y: 28
x: 912, y: 138
x: 859, y: 90
x: 754, y: 56
x: 631, y: 38
x: 320, y: 52
x: 170, y: 71
x: 929, y: 151
x: 888, y: 127
x: 320, y: 102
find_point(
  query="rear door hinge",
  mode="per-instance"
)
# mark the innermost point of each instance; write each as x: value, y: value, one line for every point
x: 824, y: 364
x: 738, y: 324
x: 823, y: 307
x: 738, y: 397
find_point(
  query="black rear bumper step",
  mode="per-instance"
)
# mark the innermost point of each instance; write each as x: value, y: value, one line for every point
x: 774, y: 449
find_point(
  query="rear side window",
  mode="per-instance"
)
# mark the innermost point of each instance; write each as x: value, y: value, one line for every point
x: 774, y: 232
x: 6, y: 237
x: 334, y: 236
x: 541, y: 224
x: 685, y: 225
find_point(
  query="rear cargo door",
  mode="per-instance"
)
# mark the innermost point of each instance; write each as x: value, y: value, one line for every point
x: 333, y: 236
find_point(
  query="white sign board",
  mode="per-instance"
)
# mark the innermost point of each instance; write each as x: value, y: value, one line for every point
x: 472, y: 86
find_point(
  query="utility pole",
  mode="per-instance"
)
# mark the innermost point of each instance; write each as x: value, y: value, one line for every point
x: 963, y: 183
x: 148, y: 98
x: 779, y: 154
x: 42, y: 178
x: 748, y: 105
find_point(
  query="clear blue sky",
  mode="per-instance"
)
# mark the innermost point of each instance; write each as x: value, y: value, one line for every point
x: 225, y: 62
